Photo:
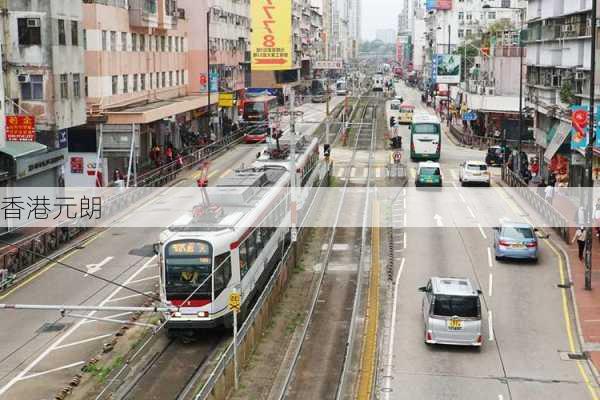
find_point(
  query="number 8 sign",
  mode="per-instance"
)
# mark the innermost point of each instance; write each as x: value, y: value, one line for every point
x: 271, y: 35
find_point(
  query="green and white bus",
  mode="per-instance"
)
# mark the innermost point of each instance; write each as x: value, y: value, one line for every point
x: 425, y: 137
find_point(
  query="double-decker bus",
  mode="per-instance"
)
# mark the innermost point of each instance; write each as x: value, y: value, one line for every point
x: 256, y: 117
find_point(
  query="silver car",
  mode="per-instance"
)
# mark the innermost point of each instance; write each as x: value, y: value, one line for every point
x: 451, y: 312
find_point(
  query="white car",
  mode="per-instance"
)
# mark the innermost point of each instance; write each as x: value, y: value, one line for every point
x: 474, y: 172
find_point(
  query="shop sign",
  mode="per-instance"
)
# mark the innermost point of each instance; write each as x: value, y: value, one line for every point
x: 329, y: 64
x: 448, y: 68
x: 76, y: 165
x: 226, y: 100
x: 271, y: 37
x: 20, y: 128
x: 28, y: 166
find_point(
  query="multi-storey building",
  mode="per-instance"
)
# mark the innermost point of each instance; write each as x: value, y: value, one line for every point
x: 558, y: 76
x: 136, y: 77
x: 44, y: 79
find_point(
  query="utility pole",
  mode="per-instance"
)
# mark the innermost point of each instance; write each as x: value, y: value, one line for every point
x: 208, y: 80
x: 522, y: 14
x: 293, y: 165
x: 448, y: 101
x: 589, y: 154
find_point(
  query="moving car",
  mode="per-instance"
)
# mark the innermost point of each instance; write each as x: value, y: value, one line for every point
x: 451, y: 312
x: 474, y: 172
x: 429, y: 173
x: 494, y: 155
x: 425, y: 137
x: 406, y: 113
x: 516, y: 240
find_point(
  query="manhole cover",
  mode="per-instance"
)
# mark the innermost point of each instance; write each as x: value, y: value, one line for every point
x: 52, y: 327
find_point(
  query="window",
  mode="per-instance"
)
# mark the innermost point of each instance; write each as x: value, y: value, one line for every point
x: 244, y: 266
x: 142, y: 82
x: 64, y: 86
x: 150, y: 6
x: 177, y: 44
x: 84, y: 39
x: 182, y: 77
x: 142, y: 42
x: 182, y: 45
x: 115, y: 85
x: 164, y: 79
x: 85, y: 80
x: 62, y: 37
x: 492, y: 15
x: 135, y: 82
x: 30, y: 32
x: 123, y: 41
x: 133, y: 42
x: 150, y: 80
x: 461, y: 33
x: 34, y: 89
x: 125, y: 83
x: 157, y: 42
x: 177, y: 78
x: 222, y: 274
x: 170, y: 78
x: 104, y: 40
x: 461, y: 15
x: 469, y: 16
x: 76, y: 86
x: 469, y: 32
x: 170, y: 43
x: 113, y: 41
x: 74, y: 33
x: 163, y: 41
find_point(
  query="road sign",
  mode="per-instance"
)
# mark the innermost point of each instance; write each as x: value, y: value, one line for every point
x: 329, y: 64
x: 235, y: 301
x: 469, y: 116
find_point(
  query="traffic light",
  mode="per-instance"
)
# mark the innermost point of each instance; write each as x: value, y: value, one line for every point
x: 392, y: 121
x: 326, y: 150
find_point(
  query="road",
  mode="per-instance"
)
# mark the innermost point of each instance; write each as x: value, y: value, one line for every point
x: 527, y: 326
x: 43, y: 351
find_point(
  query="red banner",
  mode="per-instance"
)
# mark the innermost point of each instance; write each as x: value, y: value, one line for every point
x: 20, y: 128
x: 444, y: 5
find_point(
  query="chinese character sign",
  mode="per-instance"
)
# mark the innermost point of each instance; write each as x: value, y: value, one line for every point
x: 580, y: 126
x: 20, y: 128
x: 271, y: 36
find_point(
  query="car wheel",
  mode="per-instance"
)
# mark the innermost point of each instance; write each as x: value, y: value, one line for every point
x: 498, y: 258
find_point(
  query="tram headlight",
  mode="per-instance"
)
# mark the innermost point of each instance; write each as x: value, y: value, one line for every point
x: 176, y: 314
x: 203, y: 314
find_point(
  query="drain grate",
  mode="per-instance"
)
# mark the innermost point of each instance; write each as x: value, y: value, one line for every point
x: 52, y: 327
x: 566, y: 356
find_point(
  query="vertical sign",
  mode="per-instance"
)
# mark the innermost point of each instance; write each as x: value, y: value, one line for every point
x: 271, y: 35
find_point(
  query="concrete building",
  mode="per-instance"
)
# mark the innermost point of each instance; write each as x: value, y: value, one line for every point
x: 558, y: 76
x: 44, y: 79
x: 136, y: 84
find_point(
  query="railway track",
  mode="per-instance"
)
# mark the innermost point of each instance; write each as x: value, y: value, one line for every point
x: 320, y: 359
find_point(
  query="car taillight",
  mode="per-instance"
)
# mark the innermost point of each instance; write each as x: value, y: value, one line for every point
x: 429, y: 337
x: 504, y: 243
x: 532, y: 244
x: 412, y: 146
x: 479, y: 339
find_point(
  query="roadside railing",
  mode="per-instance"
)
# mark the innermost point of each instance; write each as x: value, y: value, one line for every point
x: 482, y: 142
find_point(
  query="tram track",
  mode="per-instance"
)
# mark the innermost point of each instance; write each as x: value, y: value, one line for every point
x: 321, y: 356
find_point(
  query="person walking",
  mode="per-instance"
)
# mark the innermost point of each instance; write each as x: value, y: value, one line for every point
x: 579, y: 237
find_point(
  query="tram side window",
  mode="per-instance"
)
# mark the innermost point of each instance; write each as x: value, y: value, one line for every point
x: 244, y: 265
x: 251, y: 243
x: 223, y: 274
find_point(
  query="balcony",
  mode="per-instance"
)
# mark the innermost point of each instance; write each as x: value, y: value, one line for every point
x: 168, y: 15
x: 143, y: 13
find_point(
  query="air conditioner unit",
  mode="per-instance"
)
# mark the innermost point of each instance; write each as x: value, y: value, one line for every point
x: 33, y: 22
x: 490, y: 91
x: 24, y: 78
x: 181, y: 13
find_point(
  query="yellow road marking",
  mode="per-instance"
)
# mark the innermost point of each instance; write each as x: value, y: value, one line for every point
x: 48, y: 267
x: 565, y: 305
x: 369, y: 346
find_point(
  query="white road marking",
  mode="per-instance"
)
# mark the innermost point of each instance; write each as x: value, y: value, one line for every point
x: 154, y: 277
x: 61, y: 339
x: 438, y: 220
x: 393, y: 329
x: 353, y: 172
x: 404, y: 192
x: 490, y: 285
x: 64, y: 346
x: 405, y: 219
x: 500, y: 397
x: 76, y: 364
x: 404, y: 203
x: 93, y: 268
x: 490, y: 262
x: 117, y: 299
x: 462, y: 198
x: 91, y: 321
x: 405, y: 237
x: 482, y: 231
x: 471, y: 212
x: 341, y: 172
x: 490, y: 325
x: 454, y: 175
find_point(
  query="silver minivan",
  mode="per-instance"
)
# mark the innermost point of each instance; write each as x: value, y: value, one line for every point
x: 451, y: 312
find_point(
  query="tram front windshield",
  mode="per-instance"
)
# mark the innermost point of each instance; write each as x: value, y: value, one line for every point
x: 187, y: 264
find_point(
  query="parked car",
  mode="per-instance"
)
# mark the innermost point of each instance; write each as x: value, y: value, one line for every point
x: 494, y: 155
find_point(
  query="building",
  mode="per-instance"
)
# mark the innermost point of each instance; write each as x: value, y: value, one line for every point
x: 558, y: 77
x: 136, y: 84
x: 44, y: 80
x: 386, y: 35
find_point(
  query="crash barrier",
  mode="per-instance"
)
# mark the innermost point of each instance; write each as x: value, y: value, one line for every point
x: 551, y: 216
x: 485, y: 142
x: 19, y: 259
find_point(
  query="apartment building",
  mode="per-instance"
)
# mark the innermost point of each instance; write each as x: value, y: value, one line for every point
x: 136, y: 85
x: 558, y: 76
x: 44, y: 86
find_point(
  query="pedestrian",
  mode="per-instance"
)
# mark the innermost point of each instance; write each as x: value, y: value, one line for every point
x: 549, y: 193
x: 552, y: 179
x: 535, y: 167
x: 117, y: 175
x: 179, y: 161
x: 169, y: 153
x: 579, y: 237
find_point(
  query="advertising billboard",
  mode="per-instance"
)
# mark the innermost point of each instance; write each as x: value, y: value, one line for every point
x: 271, y: 37
x: 438, y: 5
x: 20, y: 128
x: 448, y: 68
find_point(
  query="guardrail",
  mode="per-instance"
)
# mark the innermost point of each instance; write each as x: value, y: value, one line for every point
x: 20, y: 260
x: 551, y: 215
x: 485, y: 142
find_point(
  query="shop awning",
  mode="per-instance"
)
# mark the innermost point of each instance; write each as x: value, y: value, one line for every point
x: 22, y: 149
x: 159, y: 110
x: 562, y: 133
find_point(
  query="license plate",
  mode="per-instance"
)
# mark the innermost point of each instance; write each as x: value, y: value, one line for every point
x: 455, y: 324
x: 476, y: 174
x: 518, y: 246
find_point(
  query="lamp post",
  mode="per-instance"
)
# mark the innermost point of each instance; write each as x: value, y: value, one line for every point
x: 208, y: 12
x: 521, y: 48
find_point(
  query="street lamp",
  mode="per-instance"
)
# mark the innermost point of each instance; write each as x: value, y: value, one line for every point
x: 521, y: 48
x: 208, y: 12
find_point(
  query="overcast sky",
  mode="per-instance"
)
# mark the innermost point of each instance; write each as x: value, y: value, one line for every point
x: 379, y: 14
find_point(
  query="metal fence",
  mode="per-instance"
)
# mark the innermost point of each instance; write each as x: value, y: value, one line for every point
x: 482, y: 142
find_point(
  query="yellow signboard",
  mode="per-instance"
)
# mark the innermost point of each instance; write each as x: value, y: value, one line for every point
x: 235, y: 301
x: 226, y: 100
x: 271, y: 39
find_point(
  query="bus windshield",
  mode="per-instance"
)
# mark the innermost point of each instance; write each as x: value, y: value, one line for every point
x: 254, y: 108
x: 426, y: 128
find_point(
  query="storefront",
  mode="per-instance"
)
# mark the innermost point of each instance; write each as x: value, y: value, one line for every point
x: 29, y: 164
